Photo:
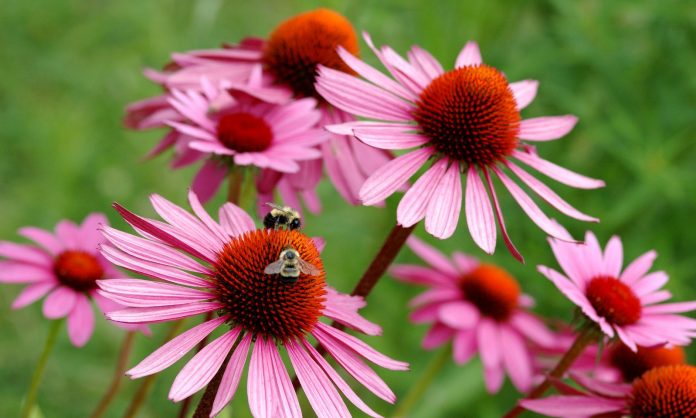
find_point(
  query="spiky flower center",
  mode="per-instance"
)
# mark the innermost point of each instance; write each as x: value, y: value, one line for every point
x: 244, y: 132
x: 470, y: 115
x: 665, y: 392
x: 266, y: 304
x: 633, y: 365
x: 613, y: 300
x: 299, y: 44
x: 492, y: 290
x: 79, y: 270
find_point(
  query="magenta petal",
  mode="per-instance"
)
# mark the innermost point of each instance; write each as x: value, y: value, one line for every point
x: 90, y: 238
x: 12, y: 272
x: 488, y: 344
x: 43, y: 238
x: 148, y: 293
x: 432, y: 256
x: 442, y: 214
x: 516, y: 359
x: 174, y: 349
x: 59, y: 303
x: 322, y: 395
x: 458, y: 315
x: 534, y: 329
x: 464, y: 346
x: 501, y: 221
x: 81, y: 321
x: 479, y: 213
x: 25, y: 253
x: 233, y: 372
x: 186, y: 223
x: 469, y: 55
x: 413, y: 205
x: 202, y: 367
x: 32, y: 293
x: 162, y: 313
x: 524, y: 92
x: 546, y: 128
x: 208, y: 179
x: 388, y: 179
x: 68, y: 233
x: 420, y: 275
x: 573, y: 406
x: 437, y: 335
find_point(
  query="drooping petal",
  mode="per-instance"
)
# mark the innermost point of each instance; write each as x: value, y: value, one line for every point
x: 268, y: 386
x: 208, y: 179
x: 516, y: 359
x: 479, y: 213
x: 80, y: 321
x: 442, y: 214
x: 32, y: 293
x: 59, y: 303
x: 388, y: 179
x: 501, y: 221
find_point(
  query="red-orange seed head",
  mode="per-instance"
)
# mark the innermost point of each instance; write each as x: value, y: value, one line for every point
x: 78, y: 269
x: 492, y: 290
x: 633, y: 365
x: 244, y: 132
x: 613, y: 300
x: 265, y: 304
x: 299, y: 44
x: 665, y: 392
x: 470, y: 115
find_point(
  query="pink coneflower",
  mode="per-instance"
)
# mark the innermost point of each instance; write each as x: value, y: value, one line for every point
x: 626, y: 304
x: 257, y: 309
x: 465, y: 120
x: 64, y: 266
x: 663, y: 392
x: 243, y: 130
x: 480, y: 308
x: 289, y: 58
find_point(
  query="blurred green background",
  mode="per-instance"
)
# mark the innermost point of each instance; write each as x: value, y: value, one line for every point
x: 68, y: 68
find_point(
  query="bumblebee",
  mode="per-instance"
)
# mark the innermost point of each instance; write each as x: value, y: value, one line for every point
x: 282, y: 216
x: 289, y: 266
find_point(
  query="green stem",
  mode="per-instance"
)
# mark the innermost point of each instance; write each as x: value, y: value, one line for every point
x: 40, y: 367
x: 418, y: 390
x: 121, y: 365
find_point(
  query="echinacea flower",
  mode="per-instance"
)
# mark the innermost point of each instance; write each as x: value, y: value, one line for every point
x: 480, y: 308
x: 205, y: 266
x: 289, y: 58
x: 64, y: 266
x: 663, y: 392
x: 466, y: 120
x: 245, y: 130
x: 622, y: 303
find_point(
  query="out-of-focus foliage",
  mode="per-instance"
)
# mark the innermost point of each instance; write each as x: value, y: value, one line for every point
x: 68, y: 68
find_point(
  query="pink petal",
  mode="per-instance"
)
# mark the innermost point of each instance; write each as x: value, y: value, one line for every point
x: 328, y: 332
x: 534, y: 329
x: 419, y: 275
x: 188, y: 224
x: 385, y: 181
x: 516, y: 359
x: 469, y: 55
x: 493, y: 377
x: 546, y: 128
x: 488, y: 344
x: 524, y: 92
x: 464, y: 346
x: 68, y: 233
x: 426, y: 62
x: 269, y: 388
x: 344, y: 309
x: 437, y: 335
x: 650, y: 283
x: 573, y: 406
x: 147, y: 293
x: 12, y: 272
x: 458, y: 315
x: 413, y: 205
x: 234, y: 220
x: 43, y: 238
x: 390, y: 138
x: 202, y: 367
x: 208, y: 179
x: 442, y: 214
x: 638, y: 268
x: 432, y: 256
x: 670, y: 308
x: 80, y: 321
x: 233, y: 372
x: 192, y: 131
x: 558, y: 173
x: 337, y: 379
x: 613, y: 257
x: 531, y: 209
x: 360, y: 98
x: 174, y: 349
x: 324, y: 398
x: 464, y: 263
x: 571, y: 258
x: 549, y: 195
x: 374, y: 76
x: 163, y: 313
x: 501, y: 221
x: 405, y: 73
x: 607, y: 389
x: 479, y: 213
x: 59, y: 303
x: 566, y: 287
x: 32, y: 293
x: 25, y: 253
x: 90, y: 238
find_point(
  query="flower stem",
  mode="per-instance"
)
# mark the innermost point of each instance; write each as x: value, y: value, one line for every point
x: 40, y: 367
x: 121, y: 365
x: 391, y: 247
x: 588, y: 334
x: 235, y: 180
x: 417, y: 390
x: 144, y: 389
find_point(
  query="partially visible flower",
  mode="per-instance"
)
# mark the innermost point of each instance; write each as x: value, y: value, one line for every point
x: 288, y: 60
x: 202, y: 265
x: 64, y: 266
x: 480, y: 308
x: 624, y: 304
x: 466, y: 121
x: 292, y: 187
x: 663, y: 392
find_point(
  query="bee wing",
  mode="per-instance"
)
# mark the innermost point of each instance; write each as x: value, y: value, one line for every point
x: 274, y: 267
x: 308, y: 268
x: 274, y: 206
